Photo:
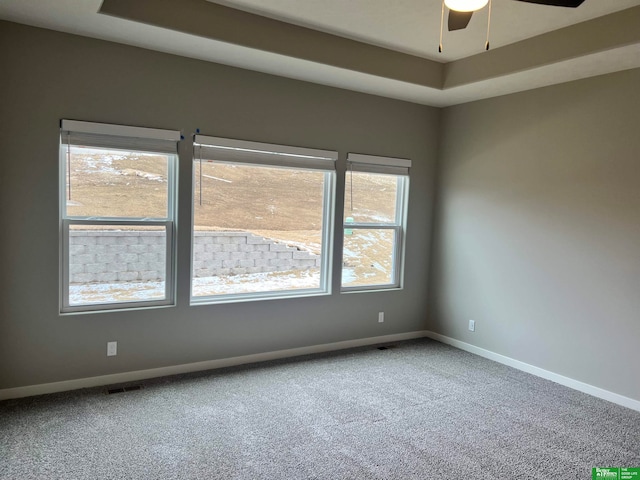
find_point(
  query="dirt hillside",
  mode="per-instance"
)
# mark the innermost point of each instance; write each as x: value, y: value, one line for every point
x: 282, y: 204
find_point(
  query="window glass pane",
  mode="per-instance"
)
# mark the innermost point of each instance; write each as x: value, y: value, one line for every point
x: 368, y: 257
x: 256, y: 229
x: 370, y: 197
x: 115, y: 183
x: 113, y: 264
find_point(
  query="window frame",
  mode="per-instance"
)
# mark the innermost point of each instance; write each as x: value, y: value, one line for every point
x: 399, y: 168
x: 130, y: 139
x: 282, y: 157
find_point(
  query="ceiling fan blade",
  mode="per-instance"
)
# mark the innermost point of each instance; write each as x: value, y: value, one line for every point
x: 458, y: 20
x: 556, y: 3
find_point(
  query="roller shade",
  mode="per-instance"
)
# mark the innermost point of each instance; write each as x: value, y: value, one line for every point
x: 255, y: 153
x: 373, y: 164
x: 120, y: 137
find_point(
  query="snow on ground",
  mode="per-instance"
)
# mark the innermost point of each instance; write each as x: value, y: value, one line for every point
x: 90, y: 293
x: 101, y: 161
x: 252, y: 282
x: 348, y: 276
x: 96, y: 293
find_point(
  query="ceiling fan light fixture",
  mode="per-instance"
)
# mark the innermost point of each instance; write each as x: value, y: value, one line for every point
x: 465, y: 5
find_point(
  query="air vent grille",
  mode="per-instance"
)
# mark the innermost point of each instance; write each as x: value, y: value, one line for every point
x: 123, y: 389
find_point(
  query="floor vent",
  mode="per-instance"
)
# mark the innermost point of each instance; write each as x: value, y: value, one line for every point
x: 124, y: 389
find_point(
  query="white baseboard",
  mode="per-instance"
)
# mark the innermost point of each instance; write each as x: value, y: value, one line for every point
x: 539, y: 372
x: 135, y: 376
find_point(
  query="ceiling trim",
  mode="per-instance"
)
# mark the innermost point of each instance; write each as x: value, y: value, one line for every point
x: 538, y: 55
x: 613, y: 31
x: 229, y: 25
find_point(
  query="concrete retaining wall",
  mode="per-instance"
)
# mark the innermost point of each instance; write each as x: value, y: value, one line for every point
x: 106, y: 256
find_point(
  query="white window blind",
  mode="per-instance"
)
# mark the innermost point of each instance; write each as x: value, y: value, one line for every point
x: 103, y: 135
x: 255, y: 153
x: 370, y: 163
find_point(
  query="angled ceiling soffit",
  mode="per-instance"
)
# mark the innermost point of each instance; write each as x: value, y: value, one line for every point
x: 224, y: 24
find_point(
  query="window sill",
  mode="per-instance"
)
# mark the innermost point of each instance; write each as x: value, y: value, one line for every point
x: 372, y: 289
x: 225, y: 299
x: 109, y: 309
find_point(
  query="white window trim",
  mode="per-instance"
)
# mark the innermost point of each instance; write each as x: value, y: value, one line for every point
x: 303, y: 158
x: 391, y: 166
x: 116, y: 132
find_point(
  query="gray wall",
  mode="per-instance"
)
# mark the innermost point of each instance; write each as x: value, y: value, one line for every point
x: 538, y: 229
x: 536, y: 234
x: 47, y: 76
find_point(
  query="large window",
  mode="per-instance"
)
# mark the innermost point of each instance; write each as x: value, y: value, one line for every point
x: 376, y: 191
x: 262, y: 220
x: 117, y: 216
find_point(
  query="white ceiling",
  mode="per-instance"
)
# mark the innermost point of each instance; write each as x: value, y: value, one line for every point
x: 409, y: 26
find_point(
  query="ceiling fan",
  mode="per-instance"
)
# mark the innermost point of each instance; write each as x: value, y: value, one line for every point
x: 460, y: 12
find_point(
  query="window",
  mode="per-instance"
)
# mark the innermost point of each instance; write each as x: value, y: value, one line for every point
x: 262, y: 220
x: 376, y: 191
x: 117, y: 216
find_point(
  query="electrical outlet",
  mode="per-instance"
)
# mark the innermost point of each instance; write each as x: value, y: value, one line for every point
x: 472, y: 325
x: 380, y: 317
x: 112, y: 349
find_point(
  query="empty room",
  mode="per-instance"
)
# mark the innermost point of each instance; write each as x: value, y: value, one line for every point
x: 320, y: 239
